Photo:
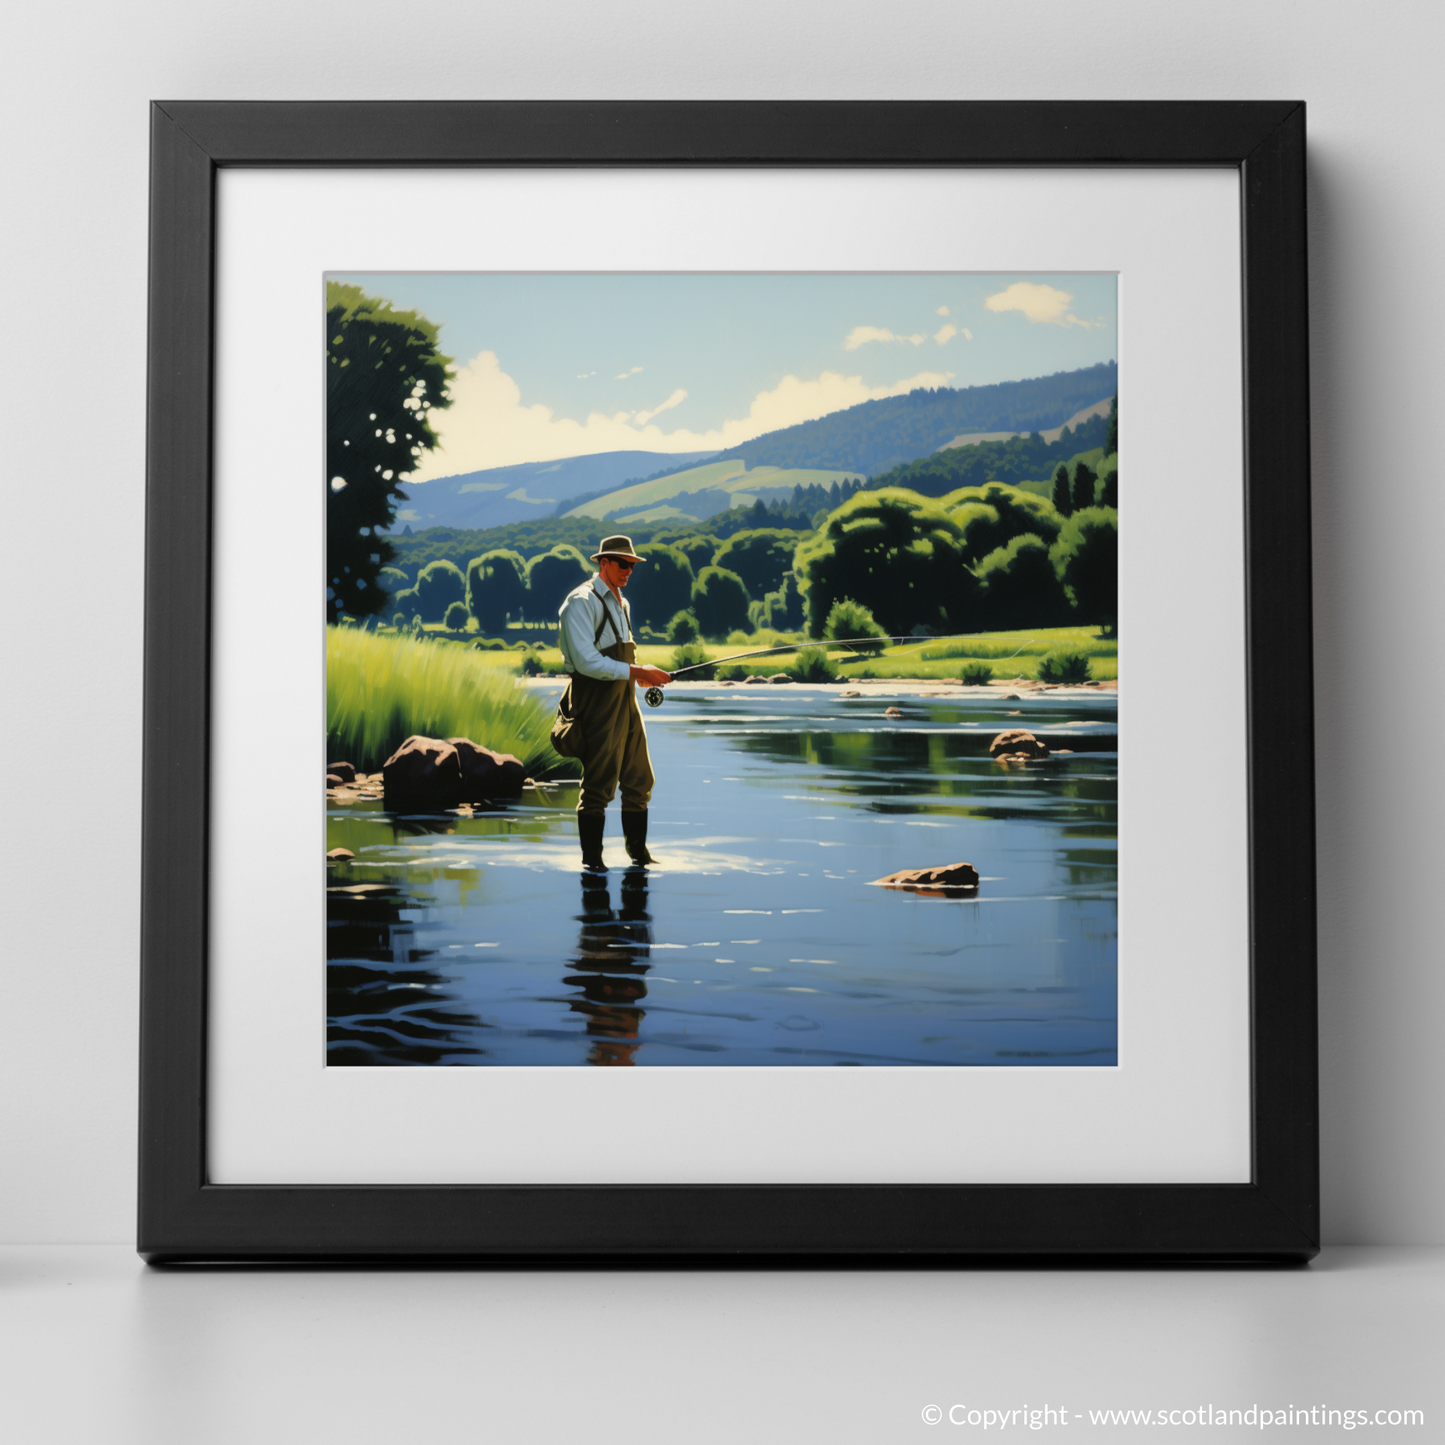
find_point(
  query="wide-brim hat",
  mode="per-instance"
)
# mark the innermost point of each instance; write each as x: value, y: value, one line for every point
x: 617, y: 547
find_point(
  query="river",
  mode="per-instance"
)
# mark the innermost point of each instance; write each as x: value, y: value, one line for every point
x: 762, y: 939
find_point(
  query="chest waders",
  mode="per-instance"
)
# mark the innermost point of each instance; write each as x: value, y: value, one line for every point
x: 614, y: 752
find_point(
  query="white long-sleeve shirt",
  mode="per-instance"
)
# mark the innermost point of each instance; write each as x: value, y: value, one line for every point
x: 582, y: 609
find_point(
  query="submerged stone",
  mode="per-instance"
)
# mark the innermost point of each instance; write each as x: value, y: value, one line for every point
x: 1017, y: 742
x: 943, y: 875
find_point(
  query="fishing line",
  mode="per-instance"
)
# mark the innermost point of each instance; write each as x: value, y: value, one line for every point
x: 653, y: 695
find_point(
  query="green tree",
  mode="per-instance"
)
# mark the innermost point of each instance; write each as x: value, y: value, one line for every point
x: 551, y: 576
x: 393, y: 579
x: 1063, y: 502
x: 1083, y: 490
x: 1086, y: 559
x: 384, y: 375
x: 1109, y: 483
x: 698, y: 550
x: 496, y: 589
x: 850, y: 619
x: 761, y: 557
x: 456, y: 617
x: 1021, y: 587
x: 661, y: 584
x: 783, y: 609
x: 899, y: 555
x: 682, y: 629
x: 438, y: 585
x: 994, y: 514
x: 719, y: 602
x: 1111, y: 437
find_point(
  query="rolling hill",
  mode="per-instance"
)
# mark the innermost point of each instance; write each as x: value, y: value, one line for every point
x: 499, y: 495
x: 699, y: 492
x: 877, y: 436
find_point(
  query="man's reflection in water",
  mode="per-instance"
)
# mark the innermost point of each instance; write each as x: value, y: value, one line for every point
x: 611, y: 962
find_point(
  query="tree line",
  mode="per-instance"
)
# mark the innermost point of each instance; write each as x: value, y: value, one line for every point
x: 745, y: 581
x: 980, y: 558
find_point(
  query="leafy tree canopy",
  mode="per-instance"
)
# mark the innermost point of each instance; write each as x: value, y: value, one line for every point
x: 992, y: 515
x: 1021, y: 587
x: 1086, y: 559
x: 438, y: 585
x: 660, y: 586
x: 496, y: 589
x: 761, y: 557
x: 898, y: 554
x: 551, y: 576
x: 719, y: 602
x: 383, y: 375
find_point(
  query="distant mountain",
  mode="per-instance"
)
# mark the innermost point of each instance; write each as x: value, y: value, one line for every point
x: 860, y: 441
x: 498, y: 495
x: 876, y: 436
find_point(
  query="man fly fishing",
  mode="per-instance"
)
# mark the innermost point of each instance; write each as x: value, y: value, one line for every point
x: 598, y: 720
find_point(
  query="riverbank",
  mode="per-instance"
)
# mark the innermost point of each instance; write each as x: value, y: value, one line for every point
x: 999, y: 690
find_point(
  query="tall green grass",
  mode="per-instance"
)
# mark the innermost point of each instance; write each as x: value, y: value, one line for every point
x: 1043, y: 640
x: 381, y: 689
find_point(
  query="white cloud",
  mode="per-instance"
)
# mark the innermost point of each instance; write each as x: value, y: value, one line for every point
x: 488, y: 425
x: 862, y: 335
x: 946, y: 332
x: 623, y: 375
x: 583, y: 375
x: 1037, y: 302
x: 967, y: 334
x: 944, y: 311
x: 641, y: 418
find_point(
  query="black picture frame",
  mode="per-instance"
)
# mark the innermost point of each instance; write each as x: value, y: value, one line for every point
x: 183, y: 1217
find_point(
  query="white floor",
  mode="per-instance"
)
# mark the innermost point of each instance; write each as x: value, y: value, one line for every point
x: 96, y: 1348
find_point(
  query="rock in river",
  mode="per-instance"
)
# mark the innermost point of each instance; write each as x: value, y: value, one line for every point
x: 424, y: 771
x: 430, y: 772
x: 486, y: 774
x: 339, y: 855
x: 1016, y: 742
x: 342, y: 772
x: 943, y: 875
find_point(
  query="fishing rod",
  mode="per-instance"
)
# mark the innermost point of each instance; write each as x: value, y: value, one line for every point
x: 653, y: 695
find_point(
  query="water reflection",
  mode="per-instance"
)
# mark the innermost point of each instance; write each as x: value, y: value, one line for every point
x: 611, y: 963
x: 385, y: 1004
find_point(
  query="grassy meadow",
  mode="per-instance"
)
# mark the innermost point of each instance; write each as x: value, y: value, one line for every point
x: 380, y: 689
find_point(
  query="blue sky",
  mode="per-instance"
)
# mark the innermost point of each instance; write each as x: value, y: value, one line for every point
x: 551, y: 366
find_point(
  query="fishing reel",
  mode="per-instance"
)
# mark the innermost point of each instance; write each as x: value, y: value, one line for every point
x: 653, y: 696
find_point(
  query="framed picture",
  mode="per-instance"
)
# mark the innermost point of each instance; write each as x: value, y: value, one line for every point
x: 990, y: 933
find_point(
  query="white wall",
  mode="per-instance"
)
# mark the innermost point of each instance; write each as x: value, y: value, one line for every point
x: 78, y: 76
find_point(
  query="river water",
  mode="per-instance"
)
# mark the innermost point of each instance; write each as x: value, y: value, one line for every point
x: 762, y: 939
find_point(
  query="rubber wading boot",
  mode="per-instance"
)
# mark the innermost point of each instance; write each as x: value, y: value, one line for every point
x: 634, y: 835
x: 589, y: 829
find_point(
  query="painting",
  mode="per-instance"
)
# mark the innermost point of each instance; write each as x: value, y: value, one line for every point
x: 850, y: 543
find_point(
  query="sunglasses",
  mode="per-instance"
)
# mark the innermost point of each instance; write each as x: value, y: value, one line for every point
x: 618, y: 562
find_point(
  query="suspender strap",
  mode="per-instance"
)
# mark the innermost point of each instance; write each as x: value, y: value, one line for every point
x: 606, y: 622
